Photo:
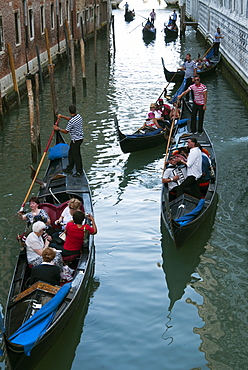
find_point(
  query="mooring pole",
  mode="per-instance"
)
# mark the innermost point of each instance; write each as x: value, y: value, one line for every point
x: 13, y: 73
x: 31, y: 119
x: 1, y: 109
x: 113, y: 31
x: 39, y: 66
x: 37, y: 105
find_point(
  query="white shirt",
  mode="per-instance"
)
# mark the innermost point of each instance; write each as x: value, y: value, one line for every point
x: 169, y: 173
x: 194, y: 163
x: 66, y: 215
x: 33, y: 242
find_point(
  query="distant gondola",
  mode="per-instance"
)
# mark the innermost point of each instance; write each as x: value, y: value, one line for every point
x: 129, y: 15
x: 171, y: 33
x: 181, y: 227
x: 178, y: 76
x: 26, y: 303
x: 140, y: 140
x: 149, y: 31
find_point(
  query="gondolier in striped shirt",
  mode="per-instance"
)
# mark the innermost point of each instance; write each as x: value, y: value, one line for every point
x: 75, y: 128
x: 200, y: 104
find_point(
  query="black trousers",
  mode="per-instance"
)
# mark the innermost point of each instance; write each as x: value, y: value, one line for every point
x: 192, y: 186
x: 74, y: 156
x: 216, y: 48
x: 197, y: 109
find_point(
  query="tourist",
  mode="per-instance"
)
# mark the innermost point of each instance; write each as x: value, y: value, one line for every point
x: 75, y: 128
x: 75, y: 233
x: 174, y: 175
x: 36, y: 213
x: 46, y: 271
x: 200, y: 104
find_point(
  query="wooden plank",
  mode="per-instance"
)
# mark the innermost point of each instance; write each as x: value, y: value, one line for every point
x: 37, y: 286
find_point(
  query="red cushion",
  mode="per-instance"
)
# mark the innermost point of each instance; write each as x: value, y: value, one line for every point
x: 204, y: 184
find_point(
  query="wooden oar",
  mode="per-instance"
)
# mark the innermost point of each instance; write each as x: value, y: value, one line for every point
x: 169, y: 139
x: 141, y: 16
x: 208, y: 51
x: 38, y: 168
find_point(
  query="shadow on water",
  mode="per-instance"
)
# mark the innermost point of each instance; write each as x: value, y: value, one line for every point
x: 61, y: 354
x: 179, y: 265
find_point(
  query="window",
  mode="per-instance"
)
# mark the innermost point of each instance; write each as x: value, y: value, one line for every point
x: 17, y: 28
x: 31, y: 23
x: 42, y: 18
x: 1, y: 34
x: 52, y: 15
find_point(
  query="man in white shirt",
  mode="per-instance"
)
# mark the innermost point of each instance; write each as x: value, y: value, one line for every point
x: 194, y: 170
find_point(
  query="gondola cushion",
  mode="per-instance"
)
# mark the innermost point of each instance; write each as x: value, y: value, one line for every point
x: 58, y: 151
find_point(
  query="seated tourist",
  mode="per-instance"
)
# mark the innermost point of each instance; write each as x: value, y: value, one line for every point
x: 75, y: 232
x: 35, y: 213
x: 174, y: 175
x: 151, y: 121
x: 35, y: 245
x: 46, y: 271
x: 74, y: 205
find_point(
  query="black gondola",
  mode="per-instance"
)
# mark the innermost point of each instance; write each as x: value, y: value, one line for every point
x: 149, y: 31
x: 178, y: 76
x: 179, y: 231
x: 24, y: 300
x: 129, y: 15
x: 140, y: 140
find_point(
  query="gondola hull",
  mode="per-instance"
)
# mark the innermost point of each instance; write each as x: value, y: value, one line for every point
x: 173, y: 210
x: 177, y: 76
x: 129, y: 16
x: 149, y: 34
x: 170, y: 34
x: 21, y: 295
x: 134, y: 143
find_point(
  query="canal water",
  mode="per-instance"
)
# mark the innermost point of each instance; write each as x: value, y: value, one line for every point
x: 149, y: 306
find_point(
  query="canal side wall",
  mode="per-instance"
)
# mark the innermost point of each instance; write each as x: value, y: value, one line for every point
x: 232, y: 18
x: 22, y: 33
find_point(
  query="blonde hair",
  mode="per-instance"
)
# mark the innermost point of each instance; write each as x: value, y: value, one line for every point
x: 75, y: 203
x: 48, y: 254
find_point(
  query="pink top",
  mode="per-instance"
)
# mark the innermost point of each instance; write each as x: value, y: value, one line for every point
x: 198, y: 93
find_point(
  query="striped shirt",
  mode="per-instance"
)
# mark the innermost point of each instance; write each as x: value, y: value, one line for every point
x: 75, y: 127
x: 198, y: 93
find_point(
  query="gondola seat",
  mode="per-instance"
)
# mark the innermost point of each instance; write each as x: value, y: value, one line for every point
x: 68, y: 259
x: 53, y: 211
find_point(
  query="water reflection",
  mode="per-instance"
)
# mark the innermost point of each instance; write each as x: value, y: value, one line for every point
x: 180, y: 265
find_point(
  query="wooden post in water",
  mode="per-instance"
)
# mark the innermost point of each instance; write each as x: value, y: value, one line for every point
x: 39, y: 66
x: 67, y: 44
x: 95, y: 39
x: 31, y: 119
x: 51, y: 76
x: 37, y: 105
x: 182, y: 20
x: 12, y: 68
x: 82, y: 49
x: 73, y: 72
x: 108, y: 38
x: 113, y: 30
x: 1, y: 110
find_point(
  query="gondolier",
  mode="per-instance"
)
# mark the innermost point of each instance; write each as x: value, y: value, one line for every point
x: 190, y: 70
x: 75, y: 128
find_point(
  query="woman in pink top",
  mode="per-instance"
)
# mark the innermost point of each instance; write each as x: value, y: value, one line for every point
x: 75, y: 231
x: 200, y: 103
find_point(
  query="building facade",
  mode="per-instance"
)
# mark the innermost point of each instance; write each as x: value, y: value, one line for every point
x: 23, y: 24
x: 232, y: 18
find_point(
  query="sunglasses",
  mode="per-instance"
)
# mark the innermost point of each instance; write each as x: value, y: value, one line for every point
x: 197, y: 79
x: 72, y: 208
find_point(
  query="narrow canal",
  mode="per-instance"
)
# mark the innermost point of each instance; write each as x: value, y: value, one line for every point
x: 150, y: 307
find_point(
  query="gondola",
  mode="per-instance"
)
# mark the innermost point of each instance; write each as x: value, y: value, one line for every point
x: 181, y: 228
x: 26, y: 304
x: 178, y: 76
x: 149, y: 33
x: 129, y: 16
x: 140, y: 140
x: 170, y: 34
